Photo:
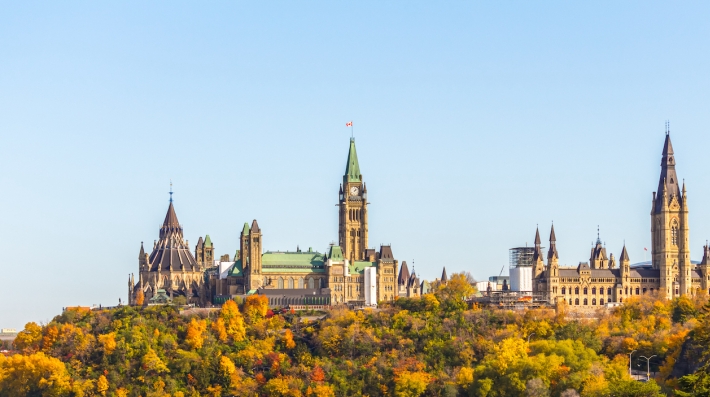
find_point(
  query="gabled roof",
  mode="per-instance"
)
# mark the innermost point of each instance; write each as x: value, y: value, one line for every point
x: 352, y: 168
x: 237, y: 269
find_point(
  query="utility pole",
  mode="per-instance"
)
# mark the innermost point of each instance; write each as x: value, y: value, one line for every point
x: 648, y: 366
x: 630, y: 361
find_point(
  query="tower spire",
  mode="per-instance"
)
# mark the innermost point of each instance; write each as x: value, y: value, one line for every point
x: 553, y: 244
x: 668, y: 179
x: 352, y: 168
x: 171, y: 190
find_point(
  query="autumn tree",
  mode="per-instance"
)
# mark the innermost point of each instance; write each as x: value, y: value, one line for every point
x: 195, y: 330
x: 140, y: 298
x: 33, y: 375
x: 28, y: 339
x: 232, y: 320
x: 256, y: 307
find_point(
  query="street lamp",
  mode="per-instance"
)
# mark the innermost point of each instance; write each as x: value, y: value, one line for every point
x: 530, y: 336
x: 630, y: 361
x: 648, y: 370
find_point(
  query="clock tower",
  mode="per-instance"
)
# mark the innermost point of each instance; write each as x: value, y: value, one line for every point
x: 352, y: 230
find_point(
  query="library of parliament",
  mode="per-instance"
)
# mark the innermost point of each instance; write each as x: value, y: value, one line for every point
x: 350, y: 272
x: 600, y: 282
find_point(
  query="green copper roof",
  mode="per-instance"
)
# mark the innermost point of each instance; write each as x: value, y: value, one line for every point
x: 292, y: 262
x: 358, y: 267
x: 336, y: 253
x: 208, y: 241
x: 245, y: 231
x: 352, y: 169
x: 237, y: 270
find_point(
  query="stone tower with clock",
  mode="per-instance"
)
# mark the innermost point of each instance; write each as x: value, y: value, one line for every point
x: 352, y: 230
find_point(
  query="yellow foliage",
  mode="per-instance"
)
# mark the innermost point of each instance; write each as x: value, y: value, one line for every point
x: 321, y: 391
x: 140, y: 298
x: 219, y: 329
x: 121, y: 392
x: 108, y: 342
x: 102, y: 385
x: 194, y: 336
x: 153, y: 363
x: 34, y: 374
x: 287, y: 339
x: 465, y: 377
x: 233, y: 320
x: 410, y: 384
x: 51, y: 333
x: 29, y: 338
x: 256, y: 307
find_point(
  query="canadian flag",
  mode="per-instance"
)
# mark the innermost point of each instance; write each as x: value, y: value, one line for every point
x: 349, y: 124
x: 645, y: 249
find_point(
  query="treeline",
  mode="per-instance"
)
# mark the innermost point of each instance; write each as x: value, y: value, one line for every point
x: 431, y: 346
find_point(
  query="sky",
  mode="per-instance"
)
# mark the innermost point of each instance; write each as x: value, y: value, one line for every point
x: 474, y: 122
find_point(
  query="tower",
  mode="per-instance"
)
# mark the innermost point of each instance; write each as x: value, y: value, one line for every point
x: 625, y: 272
x: 537, y: 260
x: 254, y: 255
x: 352, y: 230
x: 669, y: 229
x: 553, y: 267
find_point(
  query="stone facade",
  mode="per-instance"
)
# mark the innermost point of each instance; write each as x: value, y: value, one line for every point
x: 599, y: 281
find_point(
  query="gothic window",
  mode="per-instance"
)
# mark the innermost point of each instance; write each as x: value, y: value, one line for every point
x: 637, y: 291
x: 594, y: 301
x: 644, y: 290
x: 576, y: 291
x: 570, y: 301
x: 281, y: 283
x: 594, y: 290
x: 310, y: 283
x: 576, y: 301
x: 290, y: 283
x: 564, y: 290
x: 601, y: 302
x: 586, y: 291
x: 674, y: 233
x: 585, y: 302
x: 608, y: 291
x: 300, y: 283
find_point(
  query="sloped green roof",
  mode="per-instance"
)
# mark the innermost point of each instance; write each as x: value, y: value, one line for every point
x: 245, y: 230
x: 237, y: 269
x: 336, y: 253
x: 208, y: 241
x: 358, y: 267
x: 292, y: 262
x: 352, y: 169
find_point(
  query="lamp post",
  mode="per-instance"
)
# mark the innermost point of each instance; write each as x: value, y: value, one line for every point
x: 630, y: 361
x: 648, y: 366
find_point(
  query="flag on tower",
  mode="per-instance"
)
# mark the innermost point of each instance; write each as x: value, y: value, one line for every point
x: 645, y: 249
x: 349, y: 124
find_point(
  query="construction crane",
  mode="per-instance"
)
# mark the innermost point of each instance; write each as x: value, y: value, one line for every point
x: 501, y: 271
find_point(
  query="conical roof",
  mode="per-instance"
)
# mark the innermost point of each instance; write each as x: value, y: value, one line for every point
x: 255, y: 227
x: 208, y: 241
x: 537, y: 236
x: 552, y: 252
x: 624, y: 254
x: 352, y: 168
x: 171, y: 251
x: 444, y: 278
x: 171, y: 219
x: 245, y: 230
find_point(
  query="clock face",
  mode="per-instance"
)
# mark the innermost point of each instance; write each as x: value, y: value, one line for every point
x: 354, y: 191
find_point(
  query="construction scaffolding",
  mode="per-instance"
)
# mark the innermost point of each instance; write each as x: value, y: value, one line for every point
x: 520, y: 256
x: 513, y: 300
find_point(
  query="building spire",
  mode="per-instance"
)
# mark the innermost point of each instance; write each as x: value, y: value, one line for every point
x: 171, y: 190
x: 552, y: 253
x: 352, y: 168
x: 668, y: 179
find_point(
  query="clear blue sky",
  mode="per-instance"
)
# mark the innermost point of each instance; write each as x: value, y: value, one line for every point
x: 474, y: 122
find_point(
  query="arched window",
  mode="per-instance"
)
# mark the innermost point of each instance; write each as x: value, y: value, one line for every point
x: 570, y: 301
x: 626, y: 291
x: 674, y: 233
x: 585, y: 302
x: 637, y: 291
x: 586, y: 291
x: 608, y: 291
x: 310, y: 283
x: 576, y: 301
x: 594, y: 290
x: 594, y: 301
x: 290, y: 283
x: 601, y: 302
x: 300, y: 283
x: 576, y: 291
x: 564, y: 290
x: 281, y: 283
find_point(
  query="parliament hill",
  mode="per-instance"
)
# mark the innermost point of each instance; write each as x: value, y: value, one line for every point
x: 349, y: 272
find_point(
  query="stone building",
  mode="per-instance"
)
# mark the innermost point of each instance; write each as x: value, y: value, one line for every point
x: 338, y: 276
x: 601, y: 280
x: 170, y: 266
